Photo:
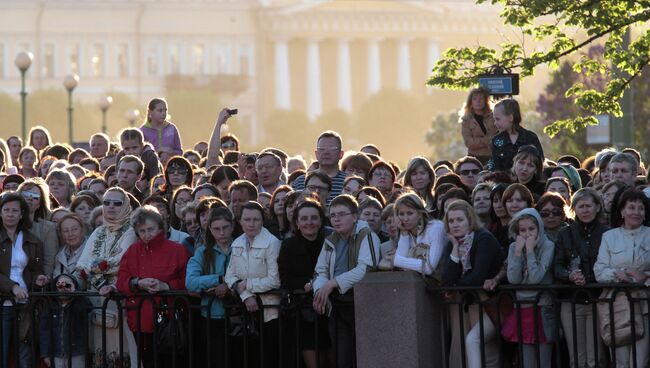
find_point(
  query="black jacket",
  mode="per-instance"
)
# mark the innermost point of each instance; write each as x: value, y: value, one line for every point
x: 504, y: 151
x: 578, y: 240
x: 297, y: 260
x: 486, y: 258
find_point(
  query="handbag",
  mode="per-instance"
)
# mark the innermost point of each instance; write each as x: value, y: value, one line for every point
x: 240, y: 324
x: 172, y: 334
x: 622, y: 319
x: 112, y: 319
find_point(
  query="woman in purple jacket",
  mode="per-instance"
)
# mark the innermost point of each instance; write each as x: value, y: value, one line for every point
x: 162, y: 134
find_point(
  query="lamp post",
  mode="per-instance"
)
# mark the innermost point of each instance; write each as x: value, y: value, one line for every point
x: 132, y: 116
x: 70, y: 82
x: 23, y: 62
x: 104, y: 103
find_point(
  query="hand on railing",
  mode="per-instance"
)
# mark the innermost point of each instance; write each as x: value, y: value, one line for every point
x: 19, y: 292
x: 251, y: 304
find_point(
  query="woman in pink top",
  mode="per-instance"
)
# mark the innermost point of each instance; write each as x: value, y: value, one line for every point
x: 162, y: 134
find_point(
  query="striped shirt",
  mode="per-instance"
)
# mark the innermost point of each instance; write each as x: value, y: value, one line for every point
x: 337, y: 185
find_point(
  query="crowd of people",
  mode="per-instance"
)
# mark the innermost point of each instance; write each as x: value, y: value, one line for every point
x: 145, y: 214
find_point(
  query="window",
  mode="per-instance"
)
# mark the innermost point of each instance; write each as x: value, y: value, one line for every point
x: 174, y: 59
x: 223, y: 59
x: 74, y: 61
x: 3, y: 62
x: 47, y: 66
x: 97, y: 59
x: 198, y: 61
x: 152, y: 61
x: 245, y: 56
x: 122, y: 54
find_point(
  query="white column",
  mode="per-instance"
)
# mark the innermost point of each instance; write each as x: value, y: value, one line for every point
x: 433, y: 54
x: 344, y: 96
x: 314, y: 95
x: 374, y: 67
x: 403, y: 65
x: 282, y: 81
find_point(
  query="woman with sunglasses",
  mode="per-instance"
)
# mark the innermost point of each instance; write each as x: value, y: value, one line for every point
x: 37, y: 196
x: 178, y: 172
x: 553, y: 209
x: 98, y: 266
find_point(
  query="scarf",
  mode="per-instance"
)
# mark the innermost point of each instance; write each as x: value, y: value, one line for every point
x: 464, y: 250
x: 122, y: 217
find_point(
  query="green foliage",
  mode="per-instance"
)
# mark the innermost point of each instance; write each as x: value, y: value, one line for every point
x: 444, y: 138
x: 567, y: 26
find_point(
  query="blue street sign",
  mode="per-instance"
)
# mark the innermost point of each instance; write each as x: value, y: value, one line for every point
x: 500, y: 84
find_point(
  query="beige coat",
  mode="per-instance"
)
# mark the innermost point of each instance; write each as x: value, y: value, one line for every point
x: 477, y: 142
x: 257, y: 265
x: 621, y: 248
x: 45, y: 231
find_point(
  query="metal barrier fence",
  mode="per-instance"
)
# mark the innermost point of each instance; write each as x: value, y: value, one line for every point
x: 606, y: 325
x: 67, y: 325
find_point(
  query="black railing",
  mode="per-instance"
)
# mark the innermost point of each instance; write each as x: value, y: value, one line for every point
x: 624, y: 320
x: 246, y: 340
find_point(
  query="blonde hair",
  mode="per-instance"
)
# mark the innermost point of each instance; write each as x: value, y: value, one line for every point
x: 461, y: 205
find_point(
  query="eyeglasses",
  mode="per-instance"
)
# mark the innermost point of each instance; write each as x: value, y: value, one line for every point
x: 328, y: 149
x: 381, y: 174
x: 557, y: 212
x: 334, y: 216
x: 316, y: 188
x: 30, y: 195
x: 469, y: 171
x: 110, y: 202
x: 177, y: 171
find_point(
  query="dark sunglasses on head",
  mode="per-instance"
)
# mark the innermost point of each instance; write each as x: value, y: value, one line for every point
x: 469, y: 171
x: 108, y: 202
x: 555, y: 212
x: 30, y: 195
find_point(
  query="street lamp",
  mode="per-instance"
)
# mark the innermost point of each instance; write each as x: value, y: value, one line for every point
x: 70, y: 82
x: 23, y: 62
x: 132, y: 115
x: 104, y: 103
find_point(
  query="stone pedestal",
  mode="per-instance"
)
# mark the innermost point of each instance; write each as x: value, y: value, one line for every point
x: 398, y: 324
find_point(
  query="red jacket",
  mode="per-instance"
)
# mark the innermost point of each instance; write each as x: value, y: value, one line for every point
x: 161, y: 259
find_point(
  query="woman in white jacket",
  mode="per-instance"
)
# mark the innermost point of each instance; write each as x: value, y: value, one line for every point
x: 253, y: 269
x: 624, y: 256
x: 421, y: 240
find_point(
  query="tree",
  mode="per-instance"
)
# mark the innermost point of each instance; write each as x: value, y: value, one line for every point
x: 554, y: 105
x: 445, y: 139
x: 567, y: 26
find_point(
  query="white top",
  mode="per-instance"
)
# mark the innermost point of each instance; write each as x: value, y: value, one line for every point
x: 18, y: 263
x: 433, y: 235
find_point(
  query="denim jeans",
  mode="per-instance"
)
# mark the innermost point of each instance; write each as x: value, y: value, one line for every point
x: 8, y: 334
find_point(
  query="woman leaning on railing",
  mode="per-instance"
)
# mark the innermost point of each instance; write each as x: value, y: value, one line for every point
x: 474, y: 257
x: 624, y: 257
x: 576, y: 250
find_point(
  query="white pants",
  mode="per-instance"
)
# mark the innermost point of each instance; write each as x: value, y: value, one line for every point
x: 472, y: 339
x: 585, y: 333
x: 78, y: 361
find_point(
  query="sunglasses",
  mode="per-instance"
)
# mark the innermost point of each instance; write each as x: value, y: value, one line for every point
x: 30, y: 195
x: 108, y: 203
x: 63, y: 285
x: 469, y: 171
x: 177, y: 171
x: 555, y: 212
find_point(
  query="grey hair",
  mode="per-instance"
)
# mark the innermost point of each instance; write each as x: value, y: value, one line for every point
x: 147, y: 212
x: 628, y: 158
x: 585, y: 193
